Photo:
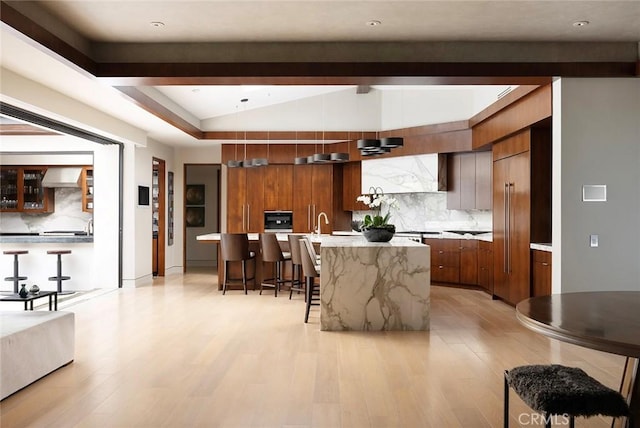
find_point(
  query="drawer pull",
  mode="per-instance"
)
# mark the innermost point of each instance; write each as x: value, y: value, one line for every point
x: 440, y: 267
x: 545, y: 264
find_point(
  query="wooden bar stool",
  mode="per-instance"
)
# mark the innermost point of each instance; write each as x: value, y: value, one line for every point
x: 59, y: 277
x: 311, y: 271
x: 16, y: 276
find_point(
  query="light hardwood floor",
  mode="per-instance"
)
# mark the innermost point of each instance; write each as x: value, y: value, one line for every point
x: 179, y: 354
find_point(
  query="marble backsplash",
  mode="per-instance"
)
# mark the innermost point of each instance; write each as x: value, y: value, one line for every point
x: 68, y: 215
x: 428, y: 211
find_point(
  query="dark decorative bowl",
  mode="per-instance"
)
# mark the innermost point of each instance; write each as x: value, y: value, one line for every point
x: 356, y: 225
x: 379, y: 234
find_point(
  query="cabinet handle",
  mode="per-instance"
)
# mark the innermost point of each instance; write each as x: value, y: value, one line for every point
x: 545, y: 264
x: 440, y: 252
x: 440, y: 267
x: 506, y: 228
x: 308, y: 218
x: 243, y: 220
x: 511, y: 185
x: 248, y: 216
x: 314, y: 217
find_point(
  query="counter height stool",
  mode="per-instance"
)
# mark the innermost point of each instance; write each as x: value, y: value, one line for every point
x: 272, y: 253
x: 565, y: 391
x: 311, y: 271
x: 59, y: 277
x: 16, y: 276
x: 297, y: 284
x: 235, y: 248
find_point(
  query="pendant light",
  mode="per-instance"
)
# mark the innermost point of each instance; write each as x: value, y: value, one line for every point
x: 262, y: 161
x: 323, y: 157
x: 379, y: 146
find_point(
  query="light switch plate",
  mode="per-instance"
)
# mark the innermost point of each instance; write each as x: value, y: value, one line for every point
x: 593, y: 241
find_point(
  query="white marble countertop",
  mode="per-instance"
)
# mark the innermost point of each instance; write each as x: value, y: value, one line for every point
x: 541, y: 247
x: 360, y: 241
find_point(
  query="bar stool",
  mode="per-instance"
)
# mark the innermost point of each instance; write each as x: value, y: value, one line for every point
x: 311, y: 271
x: 235, y: 248
x: 272, y: 253
x: 59, y: 277
x: 297, y: 284
x: 16, y: 276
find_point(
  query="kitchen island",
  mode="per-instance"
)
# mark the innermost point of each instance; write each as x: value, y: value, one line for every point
x: 374, y: 286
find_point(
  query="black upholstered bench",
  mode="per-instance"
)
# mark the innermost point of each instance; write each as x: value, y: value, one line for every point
x: 559, y: 390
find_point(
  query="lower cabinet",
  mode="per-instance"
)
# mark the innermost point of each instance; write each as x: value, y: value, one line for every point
x: 462, y: 261
x: 468, y: 261
x: 485, y: 266
x: 540, y: 273
x: 445, y: 260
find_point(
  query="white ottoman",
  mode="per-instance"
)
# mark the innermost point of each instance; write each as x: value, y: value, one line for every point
x: 32, y: 345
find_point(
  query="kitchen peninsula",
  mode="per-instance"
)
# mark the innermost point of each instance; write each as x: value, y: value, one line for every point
x: 374, y: 286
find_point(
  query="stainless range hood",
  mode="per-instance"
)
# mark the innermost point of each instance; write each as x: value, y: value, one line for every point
x: 62, y: 177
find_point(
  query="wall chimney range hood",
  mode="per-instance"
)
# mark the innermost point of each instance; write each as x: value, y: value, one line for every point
x: 62, y: 177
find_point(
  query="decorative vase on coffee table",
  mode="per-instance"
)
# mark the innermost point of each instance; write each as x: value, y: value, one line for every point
x: 380, y: 233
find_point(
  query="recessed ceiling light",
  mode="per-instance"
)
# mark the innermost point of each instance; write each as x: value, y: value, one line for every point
x: 195, y: 90
x: 373, y: 23
x: 157, y: 24
x: 580, y: 23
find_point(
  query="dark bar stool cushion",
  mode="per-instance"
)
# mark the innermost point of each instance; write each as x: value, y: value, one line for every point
x: 15, y: 252
x: 555, y: 390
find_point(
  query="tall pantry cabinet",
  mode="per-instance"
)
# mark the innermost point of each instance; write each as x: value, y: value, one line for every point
x: 316, y: 189
x: 521, y: 208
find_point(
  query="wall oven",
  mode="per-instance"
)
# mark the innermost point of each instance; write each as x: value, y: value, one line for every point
x: 278, y: 221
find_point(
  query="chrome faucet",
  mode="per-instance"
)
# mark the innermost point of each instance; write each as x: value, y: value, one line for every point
x: 326, y: 221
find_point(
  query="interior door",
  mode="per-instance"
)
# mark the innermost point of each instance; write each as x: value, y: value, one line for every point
x: 158, y: 217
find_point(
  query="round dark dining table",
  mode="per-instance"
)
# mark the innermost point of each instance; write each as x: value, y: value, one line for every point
x: 608, y: 321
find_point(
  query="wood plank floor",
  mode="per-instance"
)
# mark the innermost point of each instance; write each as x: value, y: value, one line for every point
x: 179, y: 354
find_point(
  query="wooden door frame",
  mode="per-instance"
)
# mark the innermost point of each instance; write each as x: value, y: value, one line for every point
x: 184, y: 207
x: 161, y: 167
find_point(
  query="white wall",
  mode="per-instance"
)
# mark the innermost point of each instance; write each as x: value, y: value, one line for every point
x: 596, y: 141
x: 137, y: 263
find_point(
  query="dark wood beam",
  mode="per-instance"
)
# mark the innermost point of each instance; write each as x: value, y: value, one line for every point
x: 152, y: 106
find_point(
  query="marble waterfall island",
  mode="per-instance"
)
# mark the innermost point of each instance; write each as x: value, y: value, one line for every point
x: 374, y: 286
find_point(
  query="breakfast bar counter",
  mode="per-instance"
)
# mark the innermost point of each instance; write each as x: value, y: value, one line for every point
x: 374, y: 286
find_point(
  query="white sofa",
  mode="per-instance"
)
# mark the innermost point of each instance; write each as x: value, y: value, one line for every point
x: 32, y: 345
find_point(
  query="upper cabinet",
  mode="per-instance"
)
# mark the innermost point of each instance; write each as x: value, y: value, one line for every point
x: 405, y: 174
x: 86, y: 181
x: 21, y: 190
x: 469, y: 181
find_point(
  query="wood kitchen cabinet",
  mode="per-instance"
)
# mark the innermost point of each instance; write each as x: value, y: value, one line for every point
x: 278, y: 188
x: 86, y: 184
x: 245, y: 200
x: 318, y: 188
x: 485, y: 266
x: 521, y: 209
x: 541, y: 273
x: 21, y: 190
x: 469, y: 180
x: 468, y: 261
x: 445, y: 259
x: 352, y: 186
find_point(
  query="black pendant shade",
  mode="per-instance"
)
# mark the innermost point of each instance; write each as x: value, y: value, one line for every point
x: 300, y: 160
x: 373, y: 147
